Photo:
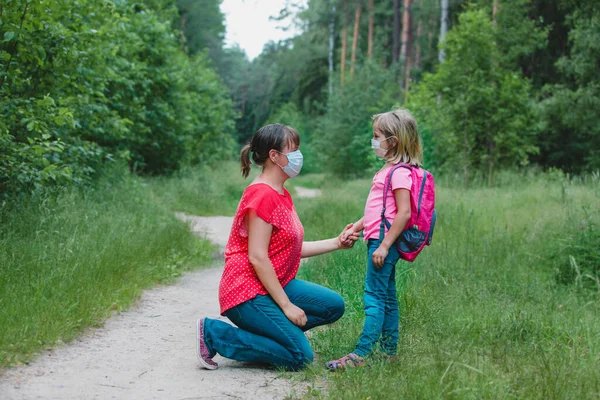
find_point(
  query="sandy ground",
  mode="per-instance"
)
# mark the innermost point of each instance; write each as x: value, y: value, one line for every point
x: 148, y: 352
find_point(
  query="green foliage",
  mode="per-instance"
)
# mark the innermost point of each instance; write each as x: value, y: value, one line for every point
x: 578, y: 257
x: 571, y: 110
x: 478, y: 114
x: 344, y: 132
x: 517, y: 35
x: 86, y: 82
x: 202, y: 190
x: 203, y: 24
x: 289, y: 114
x: 293, y: 71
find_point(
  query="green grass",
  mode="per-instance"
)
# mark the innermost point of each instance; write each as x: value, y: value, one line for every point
x: 312, y: 181
x: 68, y: 260
x: 489, y: 310
x: 206, y: 191
x: 203, y: 191
x: 505, y: 304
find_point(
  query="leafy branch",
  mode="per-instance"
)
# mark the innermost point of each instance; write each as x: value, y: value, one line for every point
x: 14, y: 46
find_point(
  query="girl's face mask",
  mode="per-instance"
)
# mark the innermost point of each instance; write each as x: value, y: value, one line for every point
x: 376, y: 145
x: 294, y: 165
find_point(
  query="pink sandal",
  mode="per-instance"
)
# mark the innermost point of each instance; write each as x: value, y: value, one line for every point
x: 351, y: 360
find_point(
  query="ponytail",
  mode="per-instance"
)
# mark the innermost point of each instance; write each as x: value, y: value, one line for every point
x: 267, y: 138
x: 245, y: 160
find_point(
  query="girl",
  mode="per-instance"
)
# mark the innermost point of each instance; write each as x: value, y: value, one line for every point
x: 259, y: 291
x: 396, y: 139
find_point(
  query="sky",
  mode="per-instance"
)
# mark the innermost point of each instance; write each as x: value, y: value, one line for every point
x: 248, y: 24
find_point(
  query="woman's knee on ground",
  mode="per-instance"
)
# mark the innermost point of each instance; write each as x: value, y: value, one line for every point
x: 302, y: 357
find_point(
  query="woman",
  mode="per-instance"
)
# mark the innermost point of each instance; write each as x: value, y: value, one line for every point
x: 259, y: 291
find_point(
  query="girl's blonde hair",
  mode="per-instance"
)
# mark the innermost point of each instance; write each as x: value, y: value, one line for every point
x: 407, y: 147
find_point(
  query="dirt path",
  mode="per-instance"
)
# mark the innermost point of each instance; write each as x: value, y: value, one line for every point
x: 148, y: 352
x: 306, y: 192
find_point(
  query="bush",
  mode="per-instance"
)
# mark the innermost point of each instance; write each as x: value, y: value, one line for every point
x: 90, y: 81
x: 343, y: 134
x: 478, y: 115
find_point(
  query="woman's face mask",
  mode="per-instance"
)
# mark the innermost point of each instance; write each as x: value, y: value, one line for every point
x: 376, y: 145
x: 294, y: 165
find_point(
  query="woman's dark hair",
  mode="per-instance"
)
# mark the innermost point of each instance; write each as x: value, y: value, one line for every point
x: 267, y: 138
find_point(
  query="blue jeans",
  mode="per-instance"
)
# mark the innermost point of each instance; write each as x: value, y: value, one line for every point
x: 381, y: 304
x: 265, y: 335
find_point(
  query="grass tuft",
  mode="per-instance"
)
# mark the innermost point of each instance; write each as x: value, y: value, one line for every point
x: 483, y: 313
x: 68, y: 260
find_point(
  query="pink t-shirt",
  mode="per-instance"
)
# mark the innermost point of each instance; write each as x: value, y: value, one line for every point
x: 240, y: 282
x: 400, y: 180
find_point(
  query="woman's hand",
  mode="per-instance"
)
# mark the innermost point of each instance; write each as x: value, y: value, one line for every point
x: 379, y: 256
x: 295, y: 314
x: 348, y: 237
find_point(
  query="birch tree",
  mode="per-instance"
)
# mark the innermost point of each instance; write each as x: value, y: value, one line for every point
x: 355, y: 39
x: 370, y: 40
x: 331, y: 47
x: 443, y: 29
x: 344, y: 44
x: 396, y: 33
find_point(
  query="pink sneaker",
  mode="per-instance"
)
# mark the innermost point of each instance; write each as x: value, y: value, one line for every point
x: 203, y: 355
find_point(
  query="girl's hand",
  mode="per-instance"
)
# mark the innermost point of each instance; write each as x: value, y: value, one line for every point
x: 347, y: 238
x: 379, y: 256
x: 295, y: 314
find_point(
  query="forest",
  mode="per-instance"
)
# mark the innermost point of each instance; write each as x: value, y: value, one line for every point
x: 494, y: 84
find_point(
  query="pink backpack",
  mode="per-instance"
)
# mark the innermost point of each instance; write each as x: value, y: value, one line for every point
x: 419, y: 229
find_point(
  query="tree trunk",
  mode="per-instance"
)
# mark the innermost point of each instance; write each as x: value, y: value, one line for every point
x: 370, y: 45
x: 419, y: 34
x: 495, y: 9
x: 244, y: 90
x: 406, y: 30
x: 344, y: 45
x: 396, y: 33
x: 443, y: 29
x: 409, y: 46
x: 354, y: 40
x: 331, y: 48
x: 386, y: 44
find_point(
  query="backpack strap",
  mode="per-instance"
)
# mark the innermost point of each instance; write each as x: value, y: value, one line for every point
x: 386, y: 186
x: 421, y: 193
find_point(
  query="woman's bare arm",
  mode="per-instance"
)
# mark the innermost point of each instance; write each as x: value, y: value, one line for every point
x: 345, y: 240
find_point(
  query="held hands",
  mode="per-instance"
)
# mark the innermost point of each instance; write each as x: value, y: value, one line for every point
x: 348, y: 237
x: 295, y: 314
x: 379, y: 255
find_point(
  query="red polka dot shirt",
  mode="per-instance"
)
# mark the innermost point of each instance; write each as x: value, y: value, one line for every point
x: 240, y: 282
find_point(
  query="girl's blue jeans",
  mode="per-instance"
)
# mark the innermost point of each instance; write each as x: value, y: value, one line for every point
x: 381, y: 304
x: 265, y: 335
